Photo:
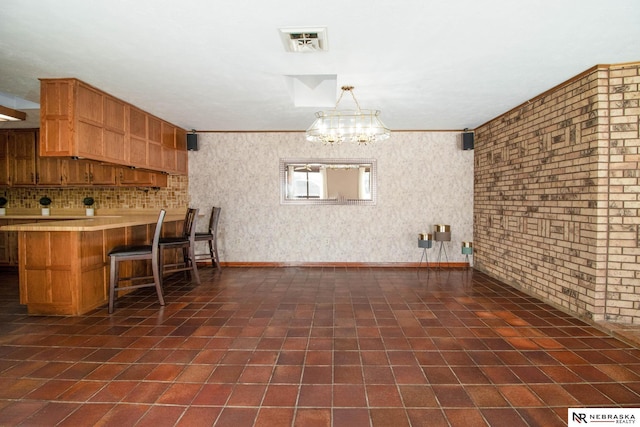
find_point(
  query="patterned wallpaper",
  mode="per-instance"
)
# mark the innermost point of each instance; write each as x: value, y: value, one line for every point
x: 424, y: 178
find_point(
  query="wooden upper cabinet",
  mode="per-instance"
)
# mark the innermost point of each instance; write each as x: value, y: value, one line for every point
x: 19, y: 163
x: 50, y: 171
x: 128, y: 177
x: 78, y: 120
x: 168, y: 147
x: 77, y: 173
x: 56, y: 138
x: 84, y: 173
x: 181, y: 152
x: 4, y: 159
x: 102, y: 174
x: 115, y: 132
x: 138, y: 138
x: 155, y: 143
x: 20, y: 166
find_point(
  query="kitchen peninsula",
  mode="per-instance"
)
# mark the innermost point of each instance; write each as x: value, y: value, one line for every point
x: 64, y: 263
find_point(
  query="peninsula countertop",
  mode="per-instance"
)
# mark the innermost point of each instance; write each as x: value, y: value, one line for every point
x: 84, y: 223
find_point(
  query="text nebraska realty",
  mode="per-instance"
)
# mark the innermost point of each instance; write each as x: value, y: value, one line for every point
x: 612, y: 418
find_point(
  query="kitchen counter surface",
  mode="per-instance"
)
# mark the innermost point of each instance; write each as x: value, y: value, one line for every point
x: 84, y: 223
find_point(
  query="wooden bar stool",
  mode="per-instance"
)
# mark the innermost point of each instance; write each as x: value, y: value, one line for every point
x: 186, y: 242
x: 135, y: 253
x: 211, y: 237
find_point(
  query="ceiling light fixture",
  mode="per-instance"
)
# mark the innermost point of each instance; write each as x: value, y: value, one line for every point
x: 9, y: 114
x: 359, y: 126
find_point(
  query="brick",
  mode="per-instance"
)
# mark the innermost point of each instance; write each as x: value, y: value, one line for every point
x: 570, y: 154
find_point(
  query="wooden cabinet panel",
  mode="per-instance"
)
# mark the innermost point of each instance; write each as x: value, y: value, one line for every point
x: 168, y: 147
x: 89, y: 105
x: 141, y: 178
x: 77, y: 173
x: 46, y: 269
x: 50, y: 171
x: 92, y: 261
x: 101, y: 174
x: 55, y: 120
x: 182, y: 157
x: 137, y: 137
x: 155, y: 143
x: 9, y: 242
x: 23, y: 147
x: 4, y: 159
x: 86, y: 173
x: 5, y: 244
x: 90, y: 122
x: 90, y: 144
x: 114, y: 130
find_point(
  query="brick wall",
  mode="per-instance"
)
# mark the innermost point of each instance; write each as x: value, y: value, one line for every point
x: 623, y: 261
x: 556, y: 195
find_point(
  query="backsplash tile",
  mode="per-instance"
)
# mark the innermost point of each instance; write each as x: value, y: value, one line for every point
x: 175, y: 195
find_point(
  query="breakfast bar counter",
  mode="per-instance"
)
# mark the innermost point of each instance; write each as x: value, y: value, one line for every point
x: 64, y: 264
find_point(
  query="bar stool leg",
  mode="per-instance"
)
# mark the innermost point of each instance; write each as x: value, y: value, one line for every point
x: 157, y: 278
x: 194, y: 264
x: 113, y: 279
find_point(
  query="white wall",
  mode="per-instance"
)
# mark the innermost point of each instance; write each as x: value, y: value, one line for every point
x: 424, y: 178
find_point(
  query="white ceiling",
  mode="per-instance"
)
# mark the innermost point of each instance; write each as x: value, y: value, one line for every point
x: 221, y: 65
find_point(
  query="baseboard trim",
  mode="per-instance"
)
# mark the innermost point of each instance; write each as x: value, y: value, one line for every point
x: 347, y: 264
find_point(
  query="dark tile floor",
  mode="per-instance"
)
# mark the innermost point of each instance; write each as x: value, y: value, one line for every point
x: 311, y: 347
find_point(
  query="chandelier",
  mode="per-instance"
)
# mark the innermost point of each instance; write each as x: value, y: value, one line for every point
x: 359, y: 126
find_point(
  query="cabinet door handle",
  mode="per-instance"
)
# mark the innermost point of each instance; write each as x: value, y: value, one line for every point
x: 37, y: 178
x: 86, y: 177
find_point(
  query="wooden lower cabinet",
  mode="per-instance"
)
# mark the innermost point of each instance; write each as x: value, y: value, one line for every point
x: 66, y: 273
x: 5, y: 244
x: 9, y: 243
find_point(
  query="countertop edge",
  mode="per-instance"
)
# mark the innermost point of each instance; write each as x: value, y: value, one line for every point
x: 88, y: 223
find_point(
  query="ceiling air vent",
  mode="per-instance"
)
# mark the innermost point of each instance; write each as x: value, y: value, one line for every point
x: 304, y: 40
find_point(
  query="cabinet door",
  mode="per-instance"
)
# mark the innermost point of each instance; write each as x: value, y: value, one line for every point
x: 55, y: 118
x: 85, y: 173
x: 9, y: 242
x: 135, y: 177
x: 168, y: 147
x: 77, y: 173
x: 4, y: 158
x: 182, y: 156
x: 138, y: 138
x: 155, y: 143
x: 114, y: 130
x: 89, y: 125
x: 103, y: 174
x: 4, y: 243
x: 23, y: 146
x: 49, y: 171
